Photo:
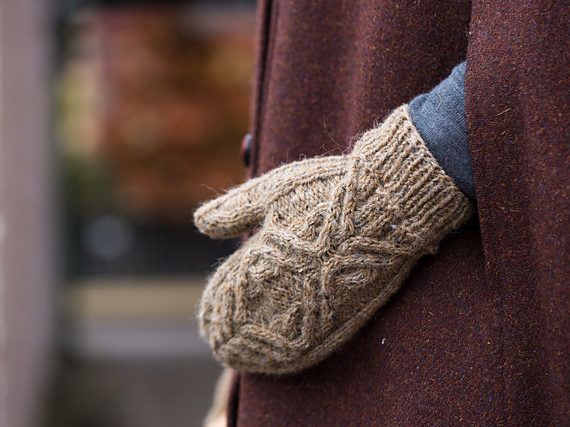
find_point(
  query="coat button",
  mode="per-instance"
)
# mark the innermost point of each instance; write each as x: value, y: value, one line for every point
x: 246, y: 143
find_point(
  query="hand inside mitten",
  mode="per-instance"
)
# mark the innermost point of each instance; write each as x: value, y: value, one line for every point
x: 337, y: 236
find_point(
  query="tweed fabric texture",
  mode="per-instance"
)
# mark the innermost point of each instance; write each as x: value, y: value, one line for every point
x: 338, y: 236
x: 479, y: 333
x: 517, y: 97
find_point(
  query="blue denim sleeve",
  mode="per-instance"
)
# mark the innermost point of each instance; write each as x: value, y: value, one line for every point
x: 439, y: 117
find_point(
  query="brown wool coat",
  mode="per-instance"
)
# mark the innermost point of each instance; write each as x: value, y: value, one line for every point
x: 479, y: 334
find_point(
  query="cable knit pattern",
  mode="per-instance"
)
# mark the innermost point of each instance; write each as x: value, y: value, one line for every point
x: 337, y: 236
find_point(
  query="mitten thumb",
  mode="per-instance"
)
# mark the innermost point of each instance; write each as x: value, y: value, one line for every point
x: 244, y: 207
x: 237, y: 211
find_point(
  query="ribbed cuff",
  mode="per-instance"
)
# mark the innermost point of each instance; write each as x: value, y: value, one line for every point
x: 427, y: 201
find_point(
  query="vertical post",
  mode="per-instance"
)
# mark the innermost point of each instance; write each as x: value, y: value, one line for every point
x: 26, y: 200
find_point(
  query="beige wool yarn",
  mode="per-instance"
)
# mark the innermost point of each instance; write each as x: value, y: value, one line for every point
x: 337, y: 236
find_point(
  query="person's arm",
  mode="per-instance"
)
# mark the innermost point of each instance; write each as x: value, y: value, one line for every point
x: 439, y: 117
x: 336, y: 236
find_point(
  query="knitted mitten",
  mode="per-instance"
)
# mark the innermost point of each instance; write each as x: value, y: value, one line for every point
x: 337, y: 236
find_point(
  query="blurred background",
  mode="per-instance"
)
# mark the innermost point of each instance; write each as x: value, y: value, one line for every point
x: 116, y: 119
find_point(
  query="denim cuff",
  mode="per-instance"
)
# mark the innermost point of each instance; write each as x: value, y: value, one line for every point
x: 439, y: 117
